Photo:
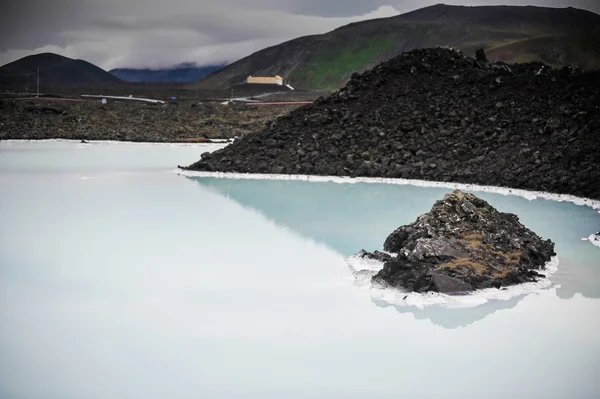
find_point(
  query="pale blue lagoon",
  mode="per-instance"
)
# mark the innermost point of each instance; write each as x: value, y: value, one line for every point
x: 120, y: 278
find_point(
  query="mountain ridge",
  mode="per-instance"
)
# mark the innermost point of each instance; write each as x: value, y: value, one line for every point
x: 556, y: 36
x: 185, y: 72
x: 54, y: 70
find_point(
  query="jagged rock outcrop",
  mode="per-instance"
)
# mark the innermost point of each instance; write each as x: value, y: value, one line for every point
x: 435, y: 114
x: 462, y: 244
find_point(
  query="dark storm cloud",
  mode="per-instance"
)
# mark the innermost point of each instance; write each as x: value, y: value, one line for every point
x: 156, y: 33
x: 25, y: 22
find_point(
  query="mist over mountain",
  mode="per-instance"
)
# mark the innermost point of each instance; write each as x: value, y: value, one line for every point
x: 186, y: 72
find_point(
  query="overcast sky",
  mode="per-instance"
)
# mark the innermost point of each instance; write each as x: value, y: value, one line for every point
x: 152, y: 33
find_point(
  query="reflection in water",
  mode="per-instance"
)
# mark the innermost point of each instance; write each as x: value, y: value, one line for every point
x: 456, y: 317
x: 350, y: 217
x: 345, y: 217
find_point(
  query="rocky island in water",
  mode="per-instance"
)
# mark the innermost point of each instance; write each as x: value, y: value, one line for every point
x: 463, y: 244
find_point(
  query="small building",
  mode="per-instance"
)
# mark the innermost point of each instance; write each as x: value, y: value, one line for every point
x: 270, y: 80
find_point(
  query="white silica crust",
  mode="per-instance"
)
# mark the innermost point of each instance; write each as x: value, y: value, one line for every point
x: 220, y: 142
x: 364, y: 269
x: 530, y: 195
x: 594, y: 239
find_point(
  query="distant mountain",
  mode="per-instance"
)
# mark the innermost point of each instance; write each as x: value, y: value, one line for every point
x: 556, y: 36
x: 182, y: 73
x: 55, y: 70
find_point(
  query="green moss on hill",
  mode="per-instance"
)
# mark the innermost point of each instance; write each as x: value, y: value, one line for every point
x: 327, y: 69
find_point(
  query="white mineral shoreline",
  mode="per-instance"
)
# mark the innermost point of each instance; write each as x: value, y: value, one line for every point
x: 364, y: 269
x: 91, y: 141
x: 530, y: 195
x: 594, y: 239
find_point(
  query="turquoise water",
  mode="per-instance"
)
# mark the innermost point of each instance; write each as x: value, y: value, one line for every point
x: 122, y: 279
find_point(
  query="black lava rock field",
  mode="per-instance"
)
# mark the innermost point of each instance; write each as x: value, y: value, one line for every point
x: 435, y: 114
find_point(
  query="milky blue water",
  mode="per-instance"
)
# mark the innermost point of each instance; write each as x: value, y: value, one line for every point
x: 122, y: 279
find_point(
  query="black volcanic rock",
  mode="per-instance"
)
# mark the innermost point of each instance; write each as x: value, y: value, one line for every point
x: 39, y: 118
x: 480, y: 55
x: 435, y: 114
x: 461, y: 245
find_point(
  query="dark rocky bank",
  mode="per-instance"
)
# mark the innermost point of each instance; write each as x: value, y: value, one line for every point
x: 462, y: 244
x: 435, y: 114
x: 181, y: 121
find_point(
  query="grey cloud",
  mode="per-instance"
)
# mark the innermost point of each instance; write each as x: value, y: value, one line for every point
x: 338, y: 9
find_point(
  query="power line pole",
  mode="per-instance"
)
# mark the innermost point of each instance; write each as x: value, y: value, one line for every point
x: 38, y: 80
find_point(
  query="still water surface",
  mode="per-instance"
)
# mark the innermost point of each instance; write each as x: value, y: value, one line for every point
x: 122, y: 279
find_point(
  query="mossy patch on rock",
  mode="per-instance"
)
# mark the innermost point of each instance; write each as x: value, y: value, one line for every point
x: 466, y: 263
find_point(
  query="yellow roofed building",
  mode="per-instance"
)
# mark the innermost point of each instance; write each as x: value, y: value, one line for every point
x: 270, y: 80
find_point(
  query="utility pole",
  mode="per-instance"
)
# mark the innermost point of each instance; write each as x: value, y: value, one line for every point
x: 38, y: 80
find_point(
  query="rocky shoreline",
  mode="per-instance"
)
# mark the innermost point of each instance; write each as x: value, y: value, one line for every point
x: 437, y: 115
x: 463, y: 244
x: 179, y: 122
